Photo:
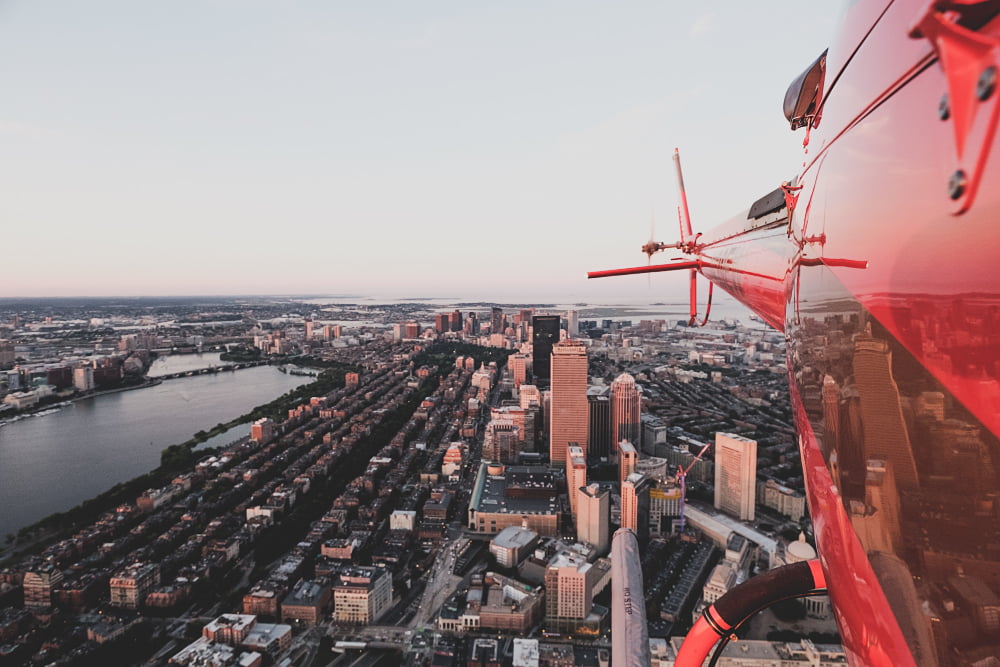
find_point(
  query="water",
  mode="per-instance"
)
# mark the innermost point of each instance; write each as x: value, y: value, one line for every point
x: 227, y: 437
x: 53, y: 462
x: 649, y: 304
x: 182, y: 363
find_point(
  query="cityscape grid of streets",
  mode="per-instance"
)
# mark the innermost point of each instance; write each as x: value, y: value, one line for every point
x: 399, y: 388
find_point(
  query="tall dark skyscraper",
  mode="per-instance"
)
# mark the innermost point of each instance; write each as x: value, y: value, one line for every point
x: 496, y: 320
x: 886, y: 436
x: 545, y: 334
x: 599, y: 435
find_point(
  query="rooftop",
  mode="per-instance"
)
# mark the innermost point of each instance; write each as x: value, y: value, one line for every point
x: 306, y: 593
x: 359, y: 576
x: 238, y: 622
x: 264, y: 634
x: 519, y: 490
x: 514, y: 537
x: 570, y: 559
x: 720, y: 524
x: 204, y: 651
x: 525, y: 652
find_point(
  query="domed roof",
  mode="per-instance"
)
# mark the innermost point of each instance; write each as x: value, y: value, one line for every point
x: 800, y: 550
x: 625, y: 378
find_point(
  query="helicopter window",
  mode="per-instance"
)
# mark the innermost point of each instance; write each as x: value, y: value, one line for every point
x: 769, y: 203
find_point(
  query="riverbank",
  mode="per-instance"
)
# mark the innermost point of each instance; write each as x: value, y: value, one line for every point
x: 326, y: 381
x: 146, y: 383
x: 36, y: 536
x: 55, y: 462
x: 64, y: 400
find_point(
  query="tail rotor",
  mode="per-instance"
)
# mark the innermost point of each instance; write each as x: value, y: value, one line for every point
x: 688, y: 244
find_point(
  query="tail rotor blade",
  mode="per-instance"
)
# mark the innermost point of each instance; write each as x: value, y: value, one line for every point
x: 685, y: 216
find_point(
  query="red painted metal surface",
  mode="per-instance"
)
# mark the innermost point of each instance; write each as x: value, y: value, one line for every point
x: 883, y: 272
x: 675, y: 266
x: 724, y: 618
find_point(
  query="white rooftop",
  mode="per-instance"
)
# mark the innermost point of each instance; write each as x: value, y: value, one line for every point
x: 721, y: 525
x: 525, y: 653
x: 238, y: 622
x: 204, y: 652
x: 514, y: 537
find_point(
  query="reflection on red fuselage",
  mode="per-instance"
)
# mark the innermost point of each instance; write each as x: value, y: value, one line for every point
x: 891, y: 307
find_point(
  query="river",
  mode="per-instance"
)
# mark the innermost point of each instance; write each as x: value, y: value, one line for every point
x: 182, y: 363
x: 53, y: 462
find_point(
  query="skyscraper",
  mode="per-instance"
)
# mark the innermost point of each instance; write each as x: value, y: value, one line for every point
x: 736, y: 475
x: 441, y: 322
x: 502, y: 441
x: 576, y: 474
x: 522, y: 324
x: 654, y: 434
x: 635, y: 504
x: 519, y: 368
x: 522, y: 418
x: 7, y: 354
x: 886, y: 436
x: 545, y: 334
x: 572, y: 324
x: 625, y: 410
x: 496, y: 320
x: 831, y: 415
x: 877, y: 519
x: 569, y: 421
x: 593, y: 516
x: 627, y: 458
x: 569, y: 590
x: 599, y: 433
x: 664, y: 503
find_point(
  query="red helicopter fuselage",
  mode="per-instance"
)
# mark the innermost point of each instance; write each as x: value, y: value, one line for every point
x: 880, y: 265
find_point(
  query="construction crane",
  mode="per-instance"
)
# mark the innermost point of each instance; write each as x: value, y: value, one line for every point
x: 682, y: 476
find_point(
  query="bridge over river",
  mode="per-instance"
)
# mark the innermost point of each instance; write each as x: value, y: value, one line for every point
x: 212, y: 369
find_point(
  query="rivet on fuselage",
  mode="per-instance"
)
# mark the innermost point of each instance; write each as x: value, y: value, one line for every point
x: 987, y: 83
x: 944, y: 109
x: 956, y: 184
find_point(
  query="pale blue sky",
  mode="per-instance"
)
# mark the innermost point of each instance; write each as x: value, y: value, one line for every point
x: 439, y: 148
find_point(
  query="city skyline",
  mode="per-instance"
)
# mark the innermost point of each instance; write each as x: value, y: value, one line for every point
x: 364, y: 484
x: 242, y: 149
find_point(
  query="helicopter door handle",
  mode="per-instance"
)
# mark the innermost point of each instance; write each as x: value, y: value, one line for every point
x: 969, y: 59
